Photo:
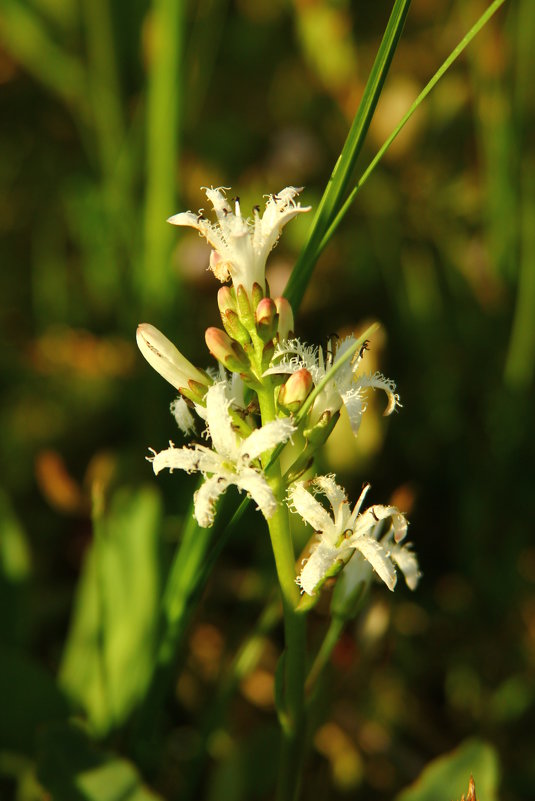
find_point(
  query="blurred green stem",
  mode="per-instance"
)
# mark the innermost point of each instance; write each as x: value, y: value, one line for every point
x: 520, y: 362
x: 104, y: 83
x: 24, y: 34
x: 164, y: 109
x: 334, y: 632
x: 184, y: 583
x: 242, y: 666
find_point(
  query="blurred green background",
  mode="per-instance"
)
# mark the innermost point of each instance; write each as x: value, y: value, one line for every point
x: 113, y: 114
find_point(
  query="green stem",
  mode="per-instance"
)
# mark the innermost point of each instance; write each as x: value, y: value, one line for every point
x: 292, y: 713
x: 323, y: 656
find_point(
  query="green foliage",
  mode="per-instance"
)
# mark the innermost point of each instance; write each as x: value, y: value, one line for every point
x: 447, y: 777
x: 109, y: 652
x: 70, y: 766
x: 30, y: 699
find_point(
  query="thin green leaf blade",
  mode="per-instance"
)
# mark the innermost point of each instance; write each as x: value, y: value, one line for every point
x: 345, y: 165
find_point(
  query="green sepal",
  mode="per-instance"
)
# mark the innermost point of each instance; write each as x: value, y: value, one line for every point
x: 234, y: 328
x: 244, y: 308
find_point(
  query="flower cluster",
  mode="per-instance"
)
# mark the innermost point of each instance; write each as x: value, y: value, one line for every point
x: 268, y: 387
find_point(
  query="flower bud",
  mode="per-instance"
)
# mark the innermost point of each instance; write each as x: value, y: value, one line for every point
x: 226, y: 351
x: 286, y: 318
x: 266, y: 319
x: 226, y: 299
x: 295, y: 391
x: 167, y: 360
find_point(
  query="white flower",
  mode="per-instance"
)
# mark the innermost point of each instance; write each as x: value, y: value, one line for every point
x: 345, y: 531
x: 242, y: 245
x: 231, y: 461
x: 346, y: 387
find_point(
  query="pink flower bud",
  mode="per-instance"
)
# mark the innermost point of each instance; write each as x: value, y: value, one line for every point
x: 266, y: 320
x: 295, y: 391
x: 286, y: 318
x: 226, y: 299
x: 226, y: 351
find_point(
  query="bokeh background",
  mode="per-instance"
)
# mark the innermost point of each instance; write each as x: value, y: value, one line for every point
x: 113, y: 114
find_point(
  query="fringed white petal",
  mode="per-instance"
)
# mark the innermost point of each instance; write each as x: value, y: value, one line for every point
x: 188, y: 459
x: 337, y: 498
x: 292, y: 355
x: 407, y: 562
x: 310, y: 509
x: 219, y: 422
x: 352, y: 400
x: 184, y: 418
x: 369, y: 519
x: 254, y: 483
x: 378, y: 381
x: 218, y: 199
x: 210, y: 232
x: 280, y: 209
x: 205, y: 498
x: 266, y: 438
x: 322, y: 559
x: 376, y: 555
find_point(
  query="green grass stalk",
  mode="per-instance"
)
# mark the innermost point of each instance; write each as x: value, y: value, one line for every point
x: 344, y: 167
x: 164, y: 111
x: 455, y: 53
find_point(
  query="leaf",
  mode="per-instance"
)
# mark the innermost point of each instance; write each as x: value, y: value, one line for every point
x: 447, y: 777
x: 71, y: 767
x: 341, y: 175
x: 109, y: 654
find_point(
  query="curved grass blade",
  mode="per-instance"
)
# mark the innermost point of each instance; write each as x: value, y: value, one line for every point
x: 345, y: 165
x: 455, y: 53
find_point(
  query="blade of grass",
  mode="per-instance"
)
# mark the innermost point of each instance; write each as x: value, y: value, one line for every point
x: 520, y: 363
x: 456, y: 52
x: 345, y: 165
x: 164, y: 111
x: 103, y: 82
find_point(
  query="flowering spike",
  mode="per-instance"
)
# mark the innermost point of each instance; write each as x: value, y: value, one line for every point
x: 167, y: 360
